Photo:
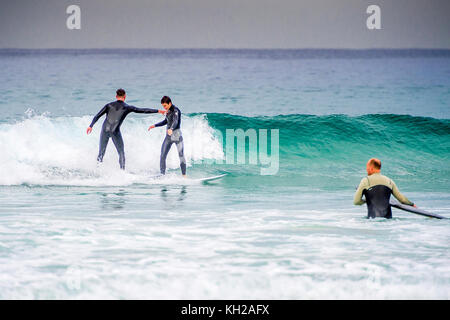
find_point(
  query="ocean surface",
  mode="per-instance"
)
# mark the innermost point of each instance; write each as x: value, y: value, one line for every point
x: 72, y: 229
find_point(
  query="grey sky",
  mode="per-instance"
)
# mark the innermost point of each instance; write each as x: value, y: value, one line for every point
x: 225, y: 24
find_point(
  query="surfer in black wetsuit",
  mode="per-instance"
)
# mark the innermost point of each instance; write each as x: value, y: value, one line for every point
x: 115, y: 114
x: 173, y: 135
x: 377, y: 190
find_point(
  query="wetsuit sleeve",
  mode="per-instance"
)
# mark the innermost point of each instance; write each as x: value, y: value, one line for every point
x: 98, y: 115
x: 357, y: 199
x: 162, y: 123
x: 142, y: 110
x: 400, y: 197
x: 175, y: 120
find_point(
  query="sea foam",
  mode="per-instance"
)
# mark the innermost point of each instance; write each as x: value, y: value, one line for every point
x: 42, y: 150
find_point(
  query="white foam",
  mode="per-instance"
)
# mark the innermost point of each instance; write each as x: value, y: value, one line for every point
x: 57, y: 151
x: 240, y: 254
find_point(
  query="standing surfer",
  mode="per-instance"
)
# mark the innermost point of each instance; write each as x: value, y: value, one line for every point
x: 378, y: 189
x: 173, y: 134
x: 116, y: 112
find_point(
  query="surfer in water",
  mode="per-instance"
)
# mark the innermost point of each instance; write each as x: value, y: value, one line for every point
x: 116, y: 112
x: 377, y: 190
x: 173, y: 134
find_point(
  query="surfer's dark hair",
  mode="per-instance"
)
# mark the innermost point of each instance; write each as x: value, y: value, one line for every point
x: 375, y: 163
x: 120, y: 92
x: 165, y: 99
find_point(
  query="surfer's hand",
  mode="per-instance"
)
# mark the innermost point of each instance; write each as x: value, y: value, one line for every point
x: 169, y: 132
x: 151, y: 127
x: 414, y: 205
x: 162, y: 111
x: 89, y: 130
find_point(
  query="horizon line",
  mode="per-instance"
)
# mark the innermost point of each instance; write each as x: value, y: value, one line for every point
x: 235, y: 49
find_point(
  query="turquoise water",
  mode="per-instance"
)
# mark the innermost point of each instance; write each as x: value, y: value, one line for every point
x: 71, y: 229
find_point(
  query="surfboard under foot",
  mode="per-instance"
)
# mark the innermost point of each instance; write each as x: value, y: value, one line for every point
x: 160, y: 177
x: 207, y: 179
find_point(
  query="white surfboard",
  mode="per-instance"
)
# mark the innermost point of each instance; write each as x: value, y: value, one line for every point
x: 159, y: 178
x: 207, y: 179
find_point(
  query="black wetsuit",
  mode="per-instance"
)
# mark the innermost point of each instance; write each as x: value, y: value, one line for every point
x: 377, y: 200
x: 115, y: 114
x: 173, y: 121
x: 377, y: 190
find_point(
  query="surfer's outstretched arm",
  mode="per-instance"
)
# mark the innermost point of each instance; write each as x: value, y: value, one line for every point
x: 400, y: 197
x: 96, y: 117
x: 159, y: 124
x: 145, y: 110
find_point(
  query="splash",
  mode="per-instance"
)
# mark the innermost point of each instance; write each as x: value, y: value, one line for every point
x: 40, y: 150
